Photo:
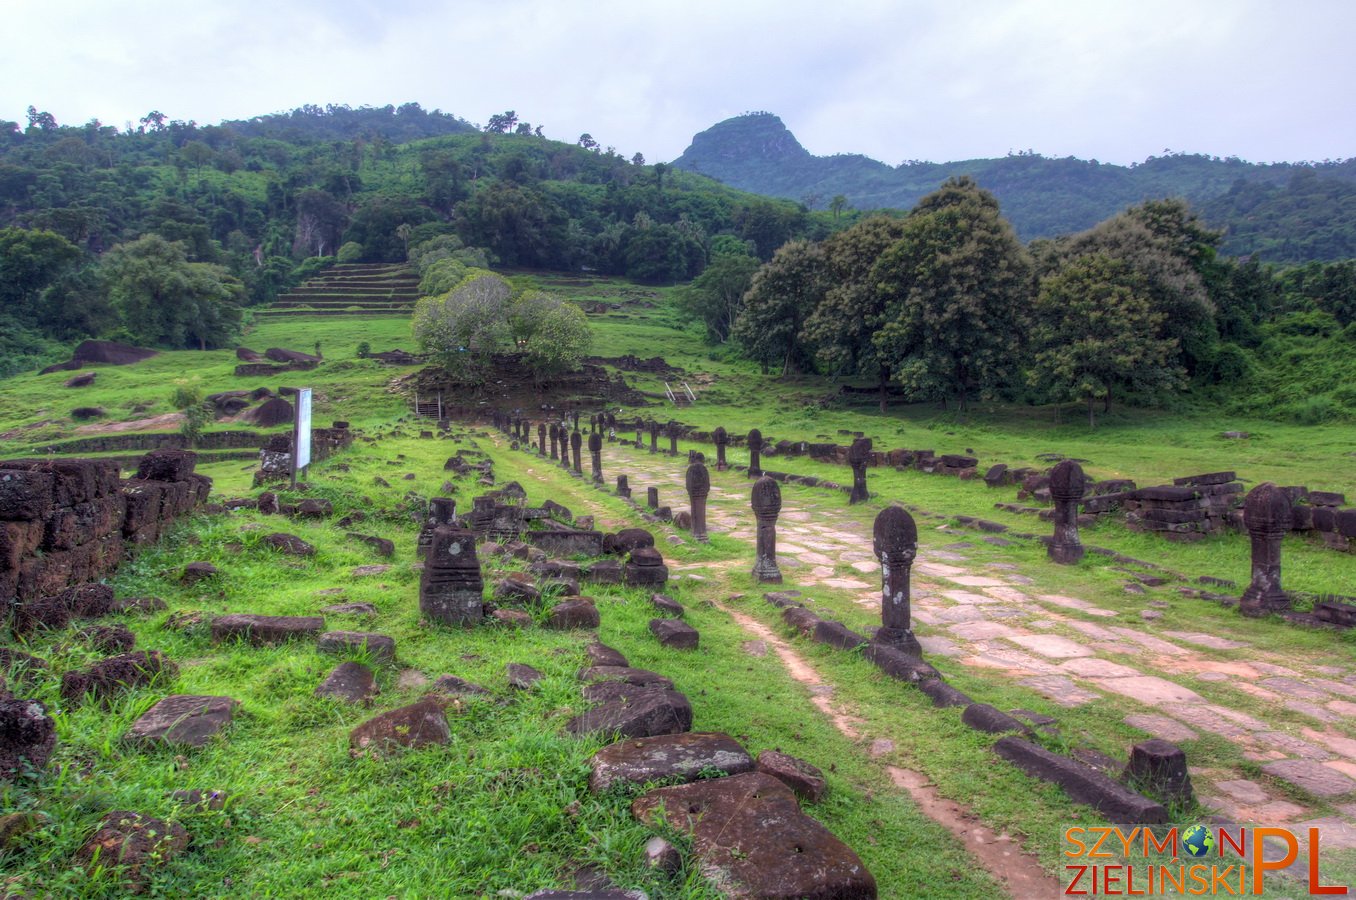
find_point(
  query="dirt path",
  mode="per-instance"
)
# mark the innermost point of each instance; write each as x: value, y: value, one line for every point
x: 999, y: 855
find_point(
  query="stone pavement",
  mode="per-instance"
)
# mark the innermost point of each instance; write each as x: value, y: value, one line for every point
x: 1301, y: 729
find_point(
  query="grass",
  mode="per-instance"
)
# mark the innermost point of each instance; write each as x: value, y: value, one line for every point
x: 505, y: 806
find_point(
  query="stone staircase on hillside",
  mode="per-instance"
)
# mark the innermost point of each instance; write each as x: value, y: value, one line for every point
x: 353, y: 289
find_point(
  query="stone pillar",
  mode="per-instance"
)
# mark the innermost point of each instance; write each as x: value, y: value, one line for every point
x: 623, y: 486
x: 541, y: 439
x: 555, y: 441
x: 596, y: 451
x: 698, y: 488
x: 576, y: 442
x: 895, y: 542
x: 652, y: 497
x: 755, y: 448
x: 1066, y: 488
x: 640, y: 435
x: 576, y: 420
x: 1160, y: 767
x: 767, y: 504
x: 859, y: 454
x: 654, y: 437
x: 611, y: 428
x: 672, y: 431
x: 1266, y: 515
x: 451, y: 590
x: 721, y: 437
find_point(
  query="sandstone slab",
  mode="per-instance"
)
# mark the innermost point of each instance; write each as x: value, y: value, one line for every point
x: 670, y: 757
x: 183, y: 719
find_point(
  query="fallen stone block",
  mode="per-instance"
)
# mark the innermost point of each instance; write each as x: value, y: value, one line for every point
x: 672, y: 758
x: 1082, y: 783
x: 182, y: 719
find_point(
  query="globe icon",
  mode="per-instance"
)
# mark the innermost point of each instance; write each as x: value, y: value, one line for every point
x: 1197, y: 841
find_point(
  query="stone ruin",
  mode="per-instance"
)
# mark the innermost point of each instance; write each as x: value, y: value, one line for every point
x: 67, y: 522
x: 451, y: 590
x: 721, y: 438
x: 596, y: 454
x: 1066, y: 487
x: 576, y: 442
x: 698, y: 482
x: 858, y: 457
x: 766, y: 500
x: 755, y: 448
x: 895, y: 543
x: 275, y: 457
x: 1266, y: 512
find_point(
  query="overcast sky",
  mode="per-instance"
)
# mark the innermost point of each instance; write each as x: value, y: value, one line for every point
x: 934, y: 80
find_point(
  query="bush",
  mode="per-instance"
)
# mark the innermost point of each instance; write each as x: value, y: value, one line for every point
x: 364, y: 350
x: 350, y: 253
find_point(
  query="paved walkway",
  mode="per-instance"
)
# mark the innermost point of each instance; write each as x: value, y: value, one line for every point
x: 996, y: 620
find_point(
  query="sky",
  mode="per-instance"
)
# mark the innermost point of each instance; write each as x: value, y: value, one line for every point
x: 935, y: 80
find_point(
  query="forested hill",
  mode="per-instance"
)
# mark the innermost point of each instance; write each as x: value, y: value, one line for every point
x: 1282, y: 212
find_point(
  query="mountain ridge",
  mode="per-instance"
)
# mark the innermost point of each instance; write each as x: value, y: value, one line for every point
x: 1047, y: 196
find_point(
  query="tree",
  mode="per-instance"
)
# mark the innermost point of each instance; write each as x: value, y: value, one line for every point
x: 1095, y: 332
x: 955, y: 286
x: 551, y: 334
x: 837, y: 205
x: 463, y: 328
x: 30, y: 262
x: 162, y: 298
x: 502, y: 123
x: 783, y: 294
x: 853, y: 310
x: 716, y: 296
x: 587, y: 142
x: 638, y: 159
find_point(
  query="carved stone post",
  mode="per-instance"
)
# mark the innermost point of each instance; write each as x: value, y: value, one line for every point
x: 596, y: 451
x: 1266, y: 514
x: 576, y: 420
x: 652, y: 497
x: 555, y: 441
x: 721, y: 437
x: 611, y: 428
x: 623, y: 486
x: 541, y: 439
x: 451, y: 590
x: 640, y: 434
x: 654, y: 436
x: 1066, y: 488
x: 755, y: 449
x: 672, y: 431
x: 698, y: 488
x: 767, y: 504
x: 576, y: 443
x: 895, y: 542
x: 859, y: 454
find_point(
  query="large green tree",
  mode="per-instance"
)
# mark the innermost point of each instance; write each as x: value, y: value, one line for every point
x: 463, y: 328
x: 843, y: 326
x: 1095, y: 333
x: 716, y: 296
x: 163, y: 299
x: 783, y: 295
x: 956, y: 286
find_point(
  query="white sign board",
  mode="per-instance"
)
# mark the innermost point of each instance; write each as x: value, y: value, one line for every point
x: 301, y: 437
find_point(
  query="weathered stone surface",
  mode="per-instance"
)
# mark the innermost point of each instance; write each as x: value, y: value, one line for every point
x: 575, y: 613
x: 675, y: 634
x: 351, y: 609
x: 116, y: 674
x: 898, y: 664
x: 643, y: 713
x: 604, y: 571
x: 314, y: 508
x: 134, y: 842
x: 943, y: 694
x: 660, y: 854
x: 451, y: 590
x: 195, y: 572
x: 626, y: 675
x: 766, y: 500
x: 27, y: 737
x: 754, y: 842
x: 1313, y: 777
x: 675, y: 758
x: 1067, y: 485
x: 349, y: 682
x: 182, y: 719
x: 667, y: 605
x: 260, y: 630
x: 380, y: 646
x: 603, y: 655
x: 836, y: 634
x: 1266, y: 514
x: 797, y: 774
x: 109, y: 638
x: 514, y: 618
x: 895, y: 543
x: 452, y: 686
x: 1082, y: 783
x: 289, y: 544
x: 983, y: 717
x: 381, y: 546
x: 645, y: 566
x: 521, y: 676
x: 1160, y: 768
x: 416, y: 725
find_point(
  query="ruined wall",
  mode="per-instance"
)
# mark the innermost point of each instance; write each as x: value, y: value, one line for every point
x: 65, y: 522
x: 275, y: 457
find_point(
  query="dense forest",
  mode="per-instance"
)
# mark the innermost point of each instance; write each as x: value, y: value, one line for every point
x: 161, y: 232
x: 1283, y: 212
x: 947, y: 304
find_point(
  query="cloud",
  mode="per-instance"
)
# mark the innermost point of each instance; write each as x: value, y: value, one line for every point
x: 929, y: 80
